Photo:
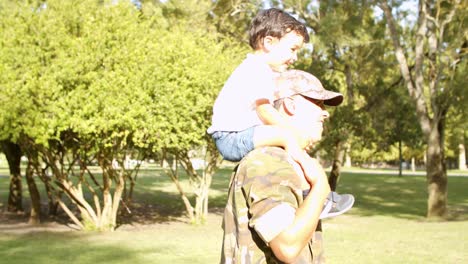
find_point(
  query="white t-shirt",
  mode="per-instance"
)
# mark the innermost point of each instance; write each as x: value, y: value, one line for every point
x: 234, y: 108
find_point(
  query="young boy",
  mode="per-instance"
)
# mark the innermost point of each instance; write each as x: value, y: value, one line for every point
x: 243, y: 114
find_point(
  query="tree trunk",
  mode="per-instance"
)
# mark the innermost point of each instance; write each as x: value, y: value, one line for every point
x: 188, y: 206
x: 172, y: 172
x: 200, y: 182
x: 35, y: 216
x: 201, y: 206
x: 400, y: 159
x: 53, y: 203
x: 436, y: 174
x: 461, y: 157
x: 334, y: 177
x: 120, y: 185
x: 348, y: 163
x: 15, y: 196
x: 105, y: 222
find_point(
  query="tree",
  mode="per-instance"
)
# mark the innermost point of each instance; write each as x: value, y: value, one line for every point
x: 437, y: 51
x: 191, y: 73
x: 60, y: 63
x: 13, y: 155
x: 96, y: 82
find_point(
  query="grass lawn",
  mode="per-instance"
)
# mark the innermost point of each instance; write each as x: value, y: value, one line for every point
x: 386, y: 225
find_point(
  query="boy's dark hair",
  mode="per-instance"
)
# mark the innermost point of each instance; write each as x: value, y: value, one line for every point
x: 276, y: 23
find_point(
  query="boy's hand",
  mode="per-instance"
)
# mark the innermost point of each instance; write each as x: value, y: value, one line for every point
x: 318, y: 170
x: 311, y: 168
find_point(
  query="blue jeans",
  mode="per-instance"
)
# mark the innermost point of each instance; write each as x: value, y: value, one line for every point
x: 234, y: 145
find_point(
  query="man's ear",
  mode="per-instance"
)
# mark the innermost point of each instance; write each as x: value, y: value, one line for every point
x: 289, y: 106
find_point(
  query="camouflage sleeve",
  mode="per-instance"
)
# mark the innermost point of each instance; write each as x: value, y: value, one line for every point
x: 273, y: 194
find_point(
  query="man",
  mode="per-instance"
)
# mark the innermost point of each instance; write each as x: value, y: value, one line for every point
x: 267, y: 218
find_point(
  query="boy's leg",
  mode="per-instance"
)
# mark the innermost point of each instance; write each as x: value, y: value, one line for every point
x: 234, y: 145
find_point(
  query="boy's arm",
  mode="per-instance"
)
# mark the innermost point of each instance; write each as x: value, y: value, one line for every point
x: 286, y: 136
x: 269, y: 115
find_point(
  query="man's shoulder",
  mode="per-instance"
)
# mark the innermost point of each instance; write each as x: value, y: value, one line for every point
x: 266, y: 154
x: 266, y: 160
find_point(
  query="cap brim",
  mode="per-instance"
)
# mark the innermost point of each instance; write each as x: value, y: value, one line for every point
x: 335, y: 101
x: 328, y: 97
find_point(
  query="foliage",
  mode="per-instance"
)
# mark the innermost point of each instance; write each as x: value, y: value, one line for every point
x: 189, y: 83
x: 348, y: 55
x: 232, y: 18
x: 350, y: 52
x: 456, y: 121
x: 97, y: 82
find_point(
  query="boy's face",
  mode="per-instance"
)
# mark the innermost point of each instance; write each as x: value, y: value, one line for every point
x: 283, y: 52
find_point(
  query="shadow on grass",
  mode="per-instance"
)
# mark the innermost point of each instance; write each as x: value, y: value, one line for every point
x: 157, y: 207
x: 156, y: 200
x: 401, y: 197
x: 376, y: 194
x: 51, y: 248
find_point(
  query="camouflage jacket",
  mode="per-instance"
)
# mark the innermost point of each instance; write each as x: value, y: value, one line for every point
x: 263, y: 196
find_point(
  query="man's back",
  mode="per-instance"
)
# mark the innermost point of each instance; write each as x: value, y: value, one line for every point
x: 263, y: 196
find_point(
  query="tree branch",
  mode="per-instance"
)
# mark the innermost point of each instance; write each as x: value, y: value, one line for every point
x: 414, y: 86
x: 448, y: 19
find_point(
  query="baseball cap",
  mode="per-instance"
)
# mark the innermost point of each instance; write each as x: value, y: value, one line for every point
x: 292, y: 82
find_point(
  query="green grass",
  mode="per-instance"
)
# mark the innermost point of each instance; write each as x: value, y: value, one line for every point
x: 386, y: 225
